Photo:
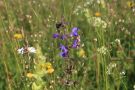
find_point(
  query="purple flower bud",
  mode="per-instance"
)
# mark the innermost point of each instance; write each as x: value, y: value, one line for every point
x: 74, y: 31
x: 56, y: 35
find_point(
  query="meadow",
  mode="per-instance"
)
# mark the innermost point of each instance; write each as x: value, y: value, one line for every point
x: 67, y: 45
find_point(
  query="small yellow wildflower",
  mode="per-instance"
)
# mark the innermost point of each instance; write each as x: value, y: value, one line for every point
x: 50, y: 70
x: 29, y: 75
x: 97, y: 14
x: 81, y: 53
x: 48, y: 65
x: 130, y: 4
x: 18, y: 36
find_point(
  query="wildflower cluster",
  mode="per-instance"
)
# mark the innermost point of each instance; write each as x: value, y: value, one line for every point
x: 102, y: 50
x: 98, y: 22
x: 48, y: 67
x: 73, y: 35
x: 81, y: 8
x: 110, y: 67
x: 41, y: 69
x: 118, y: 41
x: 114, y: 68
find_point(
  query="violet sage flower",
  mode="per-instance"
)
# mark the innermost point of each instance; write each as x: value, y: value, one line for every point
x: 74, y: 31
x: 75, y: 43
x: 56, y: 35
x: 64, y: 51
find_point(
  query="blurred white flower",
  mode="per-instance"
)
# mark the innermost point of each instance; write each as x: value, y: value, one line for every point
x: 127, y: 32
x: 95, y: 39
x: 88, y: 2
x: 21, y: 51
x: 31, y: 50
x: 101, y: 2
x: 26, y: 50
x: 133, y: 9
x: 114, y: 65
x: 98, y: 22
x: 122, y: 73
x: 110, y: 67
x: 102, y: 50
x: 134, y: 87
x: 117, y: 41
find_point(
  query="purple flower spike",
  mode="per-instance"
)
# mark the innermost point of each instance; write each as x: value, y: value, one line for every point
x: 63, y: 48
x: 74, y: 31
x: 56, y: 35
x: 64, y: 51
x: 75, y: 44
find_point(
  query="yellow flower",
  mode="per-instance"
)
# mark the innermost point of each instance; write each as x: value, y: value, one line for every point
x: 18, y: 36
x: 29, y: 75
x: 81, y: 53
x: 130, y: 4
x: 97, y: 14
x: 50, y: 70
x: 48, y: 65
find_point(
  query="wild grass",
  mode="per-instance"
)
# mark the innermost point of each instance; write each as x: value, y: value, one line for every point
x: 103, y: 60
